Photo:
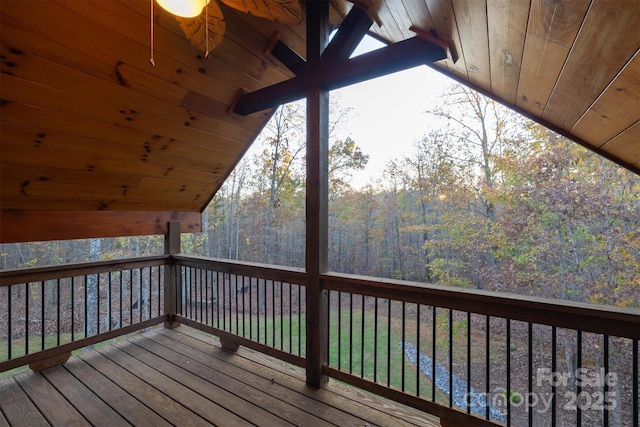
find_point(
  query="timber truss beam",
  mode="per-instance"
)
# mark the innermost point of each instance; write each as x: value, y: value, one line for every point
x: 335, y: 69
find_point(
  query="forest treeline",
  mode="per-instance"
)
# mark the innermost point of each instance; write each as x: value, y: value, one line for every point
x: 486, y: 200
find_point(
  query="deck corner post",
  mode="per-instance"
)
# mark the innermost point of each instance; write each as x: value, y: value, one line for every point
x: 317, y: 198
x: 171, y: 247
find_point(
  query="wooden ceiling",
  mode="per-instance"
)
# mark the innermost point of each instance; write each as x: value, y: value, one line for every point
x: 97, y: 142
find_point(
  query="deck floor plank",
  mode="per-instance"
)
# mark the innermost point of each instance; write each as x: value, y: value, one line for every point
x: 49, y: 401
x: 181, y: 393
x: 374, y: 410
x: 280, y: 386
x: 182, y: 376
x: 16, y: 406
x: 134, y: 411
x: 166, y: 407
x: 228, y: 378
x: 84, y: 400
x: 3, y: 420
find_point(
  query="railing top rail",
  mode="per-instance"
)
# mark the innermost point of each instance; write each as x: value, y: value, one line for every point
x: 609, y: 320
x: 36, y: 274
x: 291, y: 275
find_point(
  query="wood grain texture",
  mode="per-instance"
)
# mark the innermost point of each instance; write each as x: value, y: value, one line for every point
x: 507, y: 23
x: 625, y: 145
x: 444, y: 22
x: 104, y: 388
x: 161, y: 404
x: 610, y: 31
x: 92, y: 408
x: 17, y: 407
x: 34, y: 225
x: 49, y: 402
x: 333, y: 397
x: 615, y: 109
x: 471, y: 23
x: 551, y: 31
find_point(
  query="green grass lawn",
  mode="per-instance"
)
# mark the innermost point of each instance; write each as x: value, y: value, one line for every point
x: 377, y: 357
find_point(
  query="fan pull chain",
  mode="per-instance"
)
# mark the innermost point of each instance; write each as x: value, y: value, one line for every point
x: 151, y: 61
x: 206, y: 30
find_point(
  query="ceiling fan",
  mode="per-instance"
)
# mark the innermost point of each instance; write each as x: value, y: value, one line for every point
x: 203, y: 23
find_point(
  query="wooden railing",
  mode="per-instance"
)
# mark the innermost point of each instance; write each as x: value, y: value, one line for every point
x: 255, y: 305
x: 48, y: 312
x: 499, y: 358
x: 470, y: 357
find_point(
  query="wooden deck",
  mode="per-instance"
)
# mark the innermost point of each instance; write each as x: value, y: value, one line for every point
x: 182, y: 377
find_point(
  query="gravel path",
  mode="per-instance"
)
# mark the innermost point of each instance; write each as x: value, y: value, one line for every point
x: 478, y: 400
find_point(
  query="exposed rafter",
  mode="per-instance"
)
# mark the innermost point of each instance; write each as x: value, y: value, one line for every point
x: 393, y: 58
x: 349, y: 35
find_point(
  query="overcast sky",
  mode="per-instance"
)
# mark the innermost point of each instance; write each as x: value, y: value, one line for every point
x: 389, y: 113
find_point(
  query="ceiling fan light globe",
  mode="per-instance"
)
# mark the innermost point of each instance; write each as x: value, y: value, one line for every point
x: 183, y: 8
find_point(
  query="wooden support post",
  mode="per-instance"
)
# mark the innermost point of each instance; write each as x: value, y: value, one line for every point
x: 317, y: 199
x: 171, y: 247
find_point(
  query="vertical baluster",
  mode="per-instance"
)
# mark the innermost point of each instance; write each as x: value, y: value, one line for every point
x: 97, y: 303
x: 468, y: 362
x: 160, y: 280
x: 202, y: 301
x: 130, y: 297
x: 605, y: 411
x: 300, y: 319
x: 389, y: 342
x: 258, y: 308
x: 73, y: 304
x: 282, y: 320
x: 290, y: 318
x: 206, y: 297
x: 57, y: 312
x: 362, y: 340
x: 404, y: 318
x: 508, y: 349
x: 26, y: 318
x: 109, y: 279
x: 329, y: 329
x: 553, y: 370
x: 350, y: 333
x: 244, y: 308
x: 250, y: 309
x: 434, y: 333
x: 9, y: 317
x: 42, y: 305
x: 273, y: 314
x: 339, y: 329
x: 149, y: 291
x: 375, y: 339
x: 266, y: 314
x: 224, y: 302
x: 487, y: 361
x: 450, y: 358
x: 140, y: 295
x: 418, y: 350
x: 530, y: 380
x: 634, y: 376
x: 86, y: 311
x: 120, y: 308
x: 579, y: 383
x: 238, y: 292
x: 218, y: 299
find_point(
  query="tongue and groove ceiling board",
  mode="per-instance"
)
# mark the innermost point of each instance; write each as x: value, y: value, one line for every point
x: 90, y: 131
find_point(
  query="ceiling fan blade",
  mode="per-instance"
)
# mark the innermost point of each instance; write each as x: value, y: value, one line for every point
x: 286, y: 11
x: 195, y: 28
